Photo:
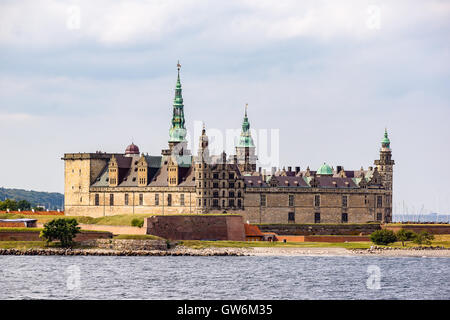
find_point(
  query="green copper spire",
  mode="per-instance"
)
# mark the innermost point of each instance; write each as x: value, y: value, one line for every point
x: 245, y: 139
x: 177, y: 132
x: 385, y: 143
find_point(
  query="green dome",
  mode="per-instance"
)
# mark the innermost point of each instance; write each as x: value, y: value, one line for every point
x: 324, y: 170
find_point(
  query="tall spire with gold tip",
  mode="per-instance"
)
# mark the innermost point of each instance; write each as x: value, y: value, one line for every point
x: 177, y: 132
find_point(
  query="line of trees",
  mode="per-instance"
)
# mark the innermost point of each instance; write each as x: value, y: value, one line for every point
x: 386, y: 237
x: 14, y: 205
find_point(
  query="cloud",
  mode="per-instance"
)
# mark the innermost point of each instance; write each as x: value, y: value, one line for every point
x: 50, y: 23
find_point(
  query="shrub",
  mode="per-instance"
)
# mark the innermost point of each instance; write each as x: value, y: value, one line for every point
x: 63, y: 230
x: 383, y: 237
x: 136, y: 222
x: 423, y: 238
x: 405, y: 235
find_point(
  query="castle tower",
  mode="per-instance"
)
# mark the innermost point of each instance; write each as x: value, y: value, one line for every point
x: 177, y: 132
x: 113, y: 169
x: 245, y: 149
x: 385, y: 166
x: 203, y: 174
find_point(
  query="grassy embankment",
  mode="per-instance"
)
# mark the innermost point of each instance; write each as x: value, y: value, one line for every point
x: 440, y: 240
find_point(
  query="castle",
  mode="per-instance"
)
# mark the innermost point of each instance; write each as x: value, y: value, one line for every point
x: 177, y: 182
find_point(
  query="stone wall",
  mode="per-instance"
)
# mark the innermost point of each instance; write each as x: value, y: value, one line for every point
x: 34, y: 236
x: 127, y: 244
x: 320, y: 229
x: 197, y: 227
x: 361, y: 205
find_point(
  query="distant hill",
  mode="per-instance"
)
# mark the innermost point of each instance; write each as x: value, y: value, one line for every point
x: 51, y: 200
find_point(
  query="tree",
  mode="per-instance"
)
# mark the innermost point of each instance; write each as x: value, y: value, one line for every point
x: 383, y: 237
x: 423, y: 238
x: 61, y: 229
x: 136, y: 222
x: 23, y: 205
x: 8, y: 204
x: 405, y: 235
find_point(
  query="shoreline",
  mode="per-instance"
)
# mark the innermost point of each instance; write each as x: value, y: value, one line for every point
x: 251, y: 251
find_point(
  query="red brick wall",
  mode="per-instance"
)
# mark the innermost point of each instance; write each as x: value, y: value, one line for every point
x: 197, y: 227
x: 322, y: 238
x: 433, y: 229
x: 319, y: 229
x: 34, y: 236
x: 12, y: 224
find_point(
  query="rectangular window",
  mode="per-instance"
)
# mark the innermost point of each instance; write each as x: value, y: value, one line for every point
x: 291, y: 200
x: 291, y: 217
x: 317, y: 217
x: 111, y: 199
x: 317, y: 200
x: 97, y: 199
x: 231, y: 202
x: 126, y: 199
x: 231, y: 185
x: 215, y: 185
x: 263, y: 200
x: 182, y: 199
x: 215, y: 176
x: 344, y: 218
x: 344, y: 201
x: 169, y: 199
x: 379, y: 216
x: 141, y: 199
x: 239, y: 203
x: 215, y: 203
x: 157, y: 199
x: 379, y: 201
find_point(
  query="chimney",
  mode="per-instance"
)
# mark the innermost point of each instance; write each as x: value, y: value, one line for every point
x: 297, y: 170
x: 289, y: 169
x: 259, y: 170
x: 274, y: 169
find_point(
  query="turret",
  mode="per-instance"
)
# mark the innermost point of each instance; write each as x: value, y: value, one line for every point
x: 203, y: 174
x: 385, y: 166
x: 245, y: 149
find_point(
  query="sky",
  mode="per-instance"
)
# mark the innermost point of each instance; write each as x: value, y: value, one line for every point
x: 326, y: 76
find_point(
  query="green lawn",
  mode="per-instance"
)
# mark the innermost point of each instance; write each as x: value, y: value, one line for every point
x: 138, y: 237
x: 23, y: 245
x: 20, y: 229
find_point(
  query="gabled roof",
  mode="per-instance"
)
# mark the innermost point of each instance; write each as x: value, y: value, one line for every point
x: 252, y: 231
